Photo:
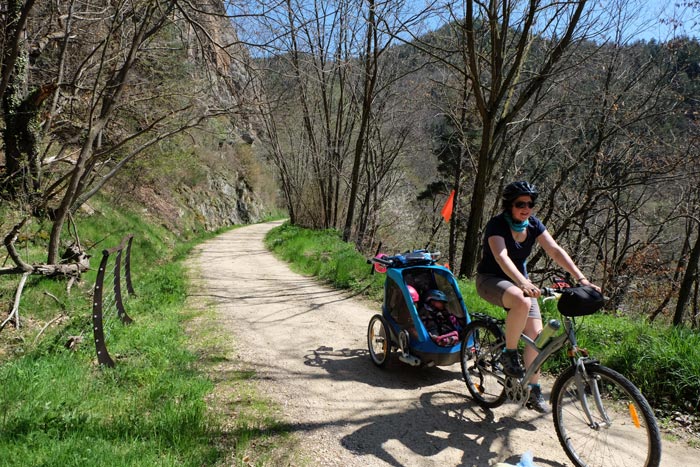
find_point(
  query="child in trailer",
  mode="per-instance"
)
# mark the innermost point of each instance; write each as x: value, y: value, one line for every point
x: 442, y: 326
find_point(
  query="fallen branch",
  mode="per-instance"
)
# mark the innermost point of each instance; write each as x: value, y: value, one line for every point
x: 9, y: 242
x: 63, y: 307
x: 15, y: 307
x: 70, y: 283
x: 77, y: 262
x: 47, y: 325
x: 67, y: 270
x: 71, y: 270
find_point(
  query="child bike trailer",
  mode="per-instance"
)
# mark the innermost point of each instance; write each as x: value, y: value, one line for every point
x: 409, y: 327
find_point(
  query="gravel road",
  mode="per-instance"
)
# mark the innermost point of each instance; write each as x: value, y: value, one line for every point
x: 308, y: 345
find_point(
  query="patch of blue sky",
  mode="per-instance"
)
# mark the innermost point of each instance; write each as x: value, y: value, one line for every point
x: 660, y: 20
x: 263, y: 24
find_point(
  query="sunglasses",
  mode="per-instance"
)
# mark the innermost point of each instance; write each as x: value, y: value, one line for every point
x: 523, y: 204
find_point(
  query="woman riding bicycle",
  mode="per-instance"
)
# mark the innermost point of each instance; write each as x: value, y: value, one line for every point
x: 502, y: 277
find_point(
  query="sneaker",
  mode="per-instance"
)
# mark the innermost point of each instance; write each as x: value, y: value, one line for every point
x: 536, y: 400
x: 510, y: 359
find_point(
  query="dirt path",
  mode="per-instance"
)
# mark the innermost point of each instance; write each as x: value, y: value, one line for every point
x: 308, y: 345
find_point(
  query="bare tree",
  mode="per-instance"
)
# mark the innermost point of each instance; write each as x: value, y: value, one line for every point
x: 370, y: 70
x: 507, y: 51
x: 506, y: 78
x: 327, y: 76
x: 308, y: 69
x: 118, y: 95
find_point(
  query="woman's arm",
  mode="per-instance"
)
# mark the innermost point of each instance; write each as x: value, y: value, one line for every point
x: 562, y: 258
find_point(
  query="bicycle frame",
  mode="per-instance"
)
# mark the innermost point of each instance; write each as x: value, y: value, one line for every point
x: 555, y: 345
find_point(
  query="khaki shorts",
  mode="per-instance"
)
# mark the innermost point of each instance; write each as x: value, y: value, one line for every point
x: 491, y: 288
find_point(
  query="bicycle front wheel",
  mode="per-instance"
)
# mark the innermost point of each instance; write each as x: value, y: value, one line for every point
x: 621, y: 430
x: 481, y: 349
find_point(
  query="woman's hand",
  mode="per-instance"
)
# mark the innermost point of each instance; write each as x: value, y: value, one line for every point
x: 585, y: 281
x: 529, y: 289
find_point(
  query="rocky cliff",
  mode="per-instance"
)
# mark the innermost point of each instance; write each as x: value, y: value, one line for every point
x: 227, y: 193
x: 235, y: 201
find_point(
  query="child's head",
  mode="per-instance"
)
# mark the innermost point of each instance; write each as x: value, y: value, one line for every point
x: 436, y: 299
x: 414, y: 293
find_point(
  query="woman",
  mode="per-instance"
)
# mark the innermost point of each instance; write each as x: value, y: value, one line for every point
x: 503, y: 281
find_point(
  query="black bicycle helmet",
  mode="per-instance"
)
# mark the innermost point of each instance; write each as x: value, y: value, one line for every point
x: 515, y: 189
x: 435, y: 295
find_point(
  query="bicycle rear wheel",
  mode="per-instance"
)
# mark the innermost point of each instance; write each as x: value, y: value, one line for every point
x: 479, y: 356
x: 623, y: 431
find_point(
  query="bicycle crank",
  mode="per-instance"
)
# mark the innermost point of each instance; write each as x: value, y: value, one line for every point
x: 515, y: 392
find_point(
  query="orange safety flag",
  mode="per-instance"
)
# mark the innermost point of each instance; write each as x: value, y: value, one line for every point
x: 446, y: 212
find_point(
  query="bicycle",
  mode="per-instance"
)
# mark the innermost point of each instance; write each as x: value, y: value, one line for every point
x: 601, y: 418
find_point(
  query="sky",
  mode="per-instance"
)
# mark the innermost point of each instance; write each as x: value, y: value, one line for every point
x: 660, y: 20
x: 665, y: 19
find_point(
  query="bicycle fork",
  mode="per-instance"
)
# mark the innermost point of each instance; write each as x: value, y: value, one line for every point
x: 584, y: 381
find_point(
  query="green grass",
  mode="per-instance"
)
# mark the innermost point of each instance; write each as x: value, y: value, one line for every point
x: 664, y: 362
x: 325, y: 255
x: 154, y: 408
x: 57, y: 407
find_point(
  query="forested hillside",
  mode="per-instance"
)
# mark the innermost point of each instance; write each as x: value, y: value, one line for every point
x: 370, y: 116
x: 377, y: 112
x: 149, y: 103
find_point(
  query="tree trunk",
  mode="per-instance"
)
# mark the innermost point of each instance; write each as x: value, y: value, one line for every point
x: 15, y: 20
x: 680, y: 266
x: 687, y: 283
x: 457, y: 181
x: 21, y: 136
x: 476, y: 212
x: 20, y: 109
x: 370, y: 79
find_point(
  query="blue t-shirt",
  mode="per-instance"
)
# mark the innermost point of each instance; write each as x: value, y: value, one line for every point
x: 517, y: 252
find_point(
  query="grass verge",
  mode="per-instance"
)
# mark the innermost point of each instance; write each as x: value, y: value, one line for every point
x: 251, y: 432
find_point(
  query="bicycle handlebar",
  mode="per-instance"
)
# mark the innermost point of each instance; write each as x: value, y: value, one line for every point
x: 381, y: 261
x: 549, y: 292
x: 404, y: 258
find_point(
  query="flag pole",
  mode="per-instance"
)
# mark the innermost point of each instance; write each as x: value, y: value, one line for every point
x: 446, y: 214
